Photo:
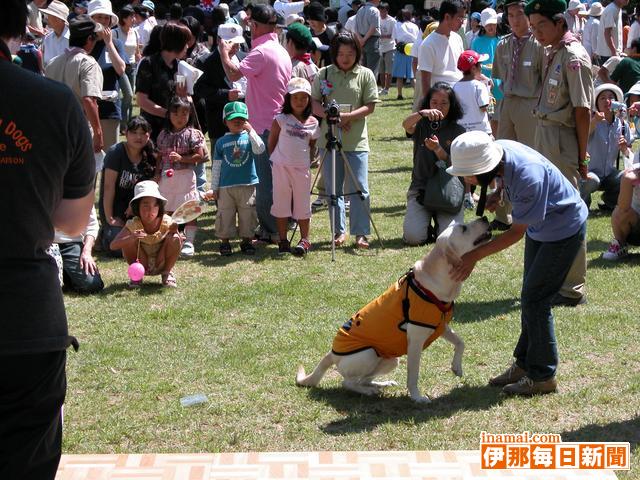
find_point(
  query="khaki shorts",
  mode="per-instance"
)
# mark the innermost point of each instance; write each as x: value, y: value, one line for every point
x: 386, y: 62
x: 241, y: 201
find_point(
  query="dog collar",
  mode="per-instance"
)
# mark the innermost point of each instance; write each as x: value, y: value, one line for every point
x: 427, y: 294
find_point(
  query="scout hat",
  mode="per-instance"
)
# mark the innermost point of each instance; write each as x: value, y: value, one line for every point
x: 57, y: 9
x: 102, y: 7
x: 300, y: 34
x: 473, y: 153
x: 147, y: 188
x: 545, y: 6
x: 297, y: 85
x: 235, y: 110
x: 469, y: 58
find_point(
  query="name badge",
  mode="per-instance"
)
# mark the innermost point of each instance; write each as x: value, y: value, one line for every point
x: 526, y: 64
x: 553, y: 81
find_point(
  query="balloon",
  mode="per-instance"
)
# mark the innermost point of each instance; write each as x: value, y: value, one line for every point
x: 170, y: 173
x: 407, y: 48
x: 136, y: 271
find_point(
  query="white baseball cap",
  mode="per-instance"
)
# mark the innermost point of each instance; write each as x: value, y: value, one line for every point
x: 473, y: 153
x: 298, y: 84
x: 231, y: 32
x: 488, y: 16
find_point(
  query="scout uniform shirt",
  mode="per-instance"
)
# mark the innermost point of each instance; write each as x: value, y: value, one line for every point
x: 567, y: 84
x: 524, y: 80
x: 382, y: 325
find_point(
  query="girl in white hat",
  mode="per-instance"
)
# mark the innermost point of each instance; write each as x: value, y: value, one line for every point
x: 549, y: 212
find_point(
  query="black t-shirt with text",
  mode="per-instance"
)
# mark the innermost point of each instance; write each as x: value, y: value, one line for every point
x: 46, y: 155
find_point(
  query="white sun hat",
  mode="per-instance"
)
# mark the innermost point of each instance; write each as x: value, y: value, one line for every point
x: 473, y: 153
x: 57, y: 9
x: 604, y: 87
x: 574, y: 5
x: 102, y: 7
x: 147, y: 188
x: 488, y: 16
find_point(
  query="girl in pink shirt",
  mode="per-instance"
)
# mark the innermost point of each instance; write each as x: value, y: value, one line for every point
x: 293, y: 135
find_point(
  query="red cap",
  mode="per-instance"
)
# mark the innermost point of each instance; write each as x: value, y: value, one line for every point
x: 469, y: 58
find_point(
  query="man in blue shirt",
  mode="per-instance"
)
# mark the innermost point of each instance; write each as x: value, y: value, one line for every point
x: 550, y: 211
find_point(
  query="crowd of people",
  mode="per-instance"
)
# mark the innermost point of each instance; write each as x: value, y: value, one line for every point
x: 525, y: 110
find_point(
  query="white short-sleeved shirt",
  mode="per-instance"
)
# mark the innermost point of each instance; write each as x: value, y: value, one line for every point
x: 293, y: 142
x: 439, y: 54
x: 350, y: 24
x: 611, y: 18
x: 407, y: 32
x: 54, y: 45
x: 387, y: 27
x: 473, y: 95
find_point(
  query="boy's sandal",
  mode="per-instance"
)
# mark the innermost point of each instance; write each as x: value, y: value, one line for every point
x: 169, y: 280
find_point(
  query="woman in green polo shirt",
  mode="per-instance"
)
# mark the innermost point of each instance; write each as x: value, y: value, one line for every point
x: 348, y: 83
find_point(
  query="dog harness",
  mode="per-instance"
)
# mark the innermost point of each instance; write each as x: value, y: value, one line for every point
x: 382, y: 323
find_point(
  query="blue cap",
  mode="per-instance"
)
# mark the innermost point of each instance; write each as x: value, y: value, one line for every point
x: 149, y: 5
x: 476, y: 16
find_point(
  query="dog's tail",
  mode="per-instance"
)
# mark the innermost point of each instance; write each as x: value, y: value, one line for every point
x: 314, y: 378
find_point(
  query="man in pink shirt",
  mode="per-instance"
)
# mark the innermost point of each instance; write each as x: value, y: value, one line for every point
x: 268, y: 71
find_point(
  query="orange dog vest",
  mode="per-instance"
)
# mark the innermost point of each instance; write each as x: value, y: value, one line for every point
x: 382, y: 323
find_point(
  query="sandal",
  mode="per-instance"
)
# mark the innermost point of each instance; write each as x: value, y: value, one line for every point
x: 362, y: 242
x: 169, y: 280
x: 339, y: 239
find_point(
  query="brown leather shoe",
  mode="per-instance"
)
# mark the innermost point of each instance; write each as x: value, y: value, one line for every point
x: 527, y: 387
x: 511, y: 375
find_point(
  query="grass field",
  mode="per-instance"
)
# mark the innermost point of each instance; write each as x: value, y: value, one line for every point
x: 237, y: 328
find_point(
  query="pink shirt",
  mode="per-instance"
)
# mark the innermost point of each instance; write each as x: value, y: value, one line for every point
x: 268, y: 71
x: 293, y: 143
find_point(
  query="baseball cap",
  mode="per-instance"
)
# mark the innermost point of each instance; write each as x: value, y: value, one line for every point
x: 149, y: 5
x: 469, y: 58
x: 235, y: 110
x: 264, y: 14
x: 82, y: 26
x: 488, y: 16
x: 297, y: 85
x: 231, y: 32
x: 476, y: 16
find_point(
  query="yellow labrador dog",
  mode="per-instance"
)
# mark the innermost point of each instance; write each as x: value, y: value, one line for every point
x: 411, y: 314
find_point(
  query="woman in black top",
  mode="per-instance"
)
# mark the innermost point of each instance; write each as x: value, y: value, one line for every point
x: 432, y: 128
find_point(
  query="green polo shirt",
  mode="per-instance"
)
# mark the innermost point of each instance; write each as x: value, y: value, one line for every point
x: 357, y: 87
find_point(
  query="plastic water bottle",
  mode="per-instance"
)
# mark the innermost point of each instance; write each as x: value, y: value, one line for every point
x: 191, y: 400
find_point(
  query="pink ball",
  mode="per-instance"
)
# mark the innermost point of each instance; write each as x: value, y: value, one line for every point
x: 136, y: 271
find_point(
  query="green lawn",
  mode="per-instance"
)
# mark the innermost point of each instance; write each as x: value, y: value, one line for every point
x: 237, y: 328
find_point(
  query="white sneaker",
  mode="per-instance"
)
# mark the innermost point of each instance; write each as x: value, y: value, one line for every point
x: 383, y: 91
x: 187, y: 250
x: 615, y: 251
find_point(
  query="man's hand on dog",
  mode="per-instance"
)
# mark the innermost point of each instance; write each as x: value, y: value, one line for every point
x: 463, y: 269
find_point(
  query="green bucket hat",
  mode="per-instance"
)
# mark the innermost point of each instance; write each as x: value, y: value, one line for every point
x: 545, y: 6
x: 235, y: 110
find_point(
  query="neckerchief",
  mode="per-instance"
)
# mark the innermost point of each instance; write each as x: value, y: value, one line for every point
x: 304, y: 58
x: 518, y: 45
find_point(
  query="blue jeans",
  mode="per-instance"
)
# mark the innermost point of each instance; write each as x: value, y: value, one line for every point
x: 126, y: 83
x: 108, y: 233
x: 359, y: 210
x: 74, y: 276
x: 545, y: 267
x: 609, y: 184
x: 264, y: 192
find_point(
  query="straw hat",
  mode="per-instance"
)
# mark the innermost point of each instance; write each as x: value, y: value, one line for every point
x: 473, y: 153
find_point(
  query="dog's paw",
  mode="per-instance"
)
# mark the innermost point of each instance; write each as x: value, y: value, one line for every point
x: 456, y: 369
x: 420, y: 399
x: 387, y: 383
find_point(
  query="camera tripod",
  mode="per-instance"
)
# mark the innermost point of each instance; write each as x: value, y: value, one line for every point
x: 334, y: 146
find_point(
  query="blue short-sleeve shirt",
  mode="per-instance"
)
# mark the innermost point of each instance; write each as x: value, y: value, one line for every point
x: 541, y: 196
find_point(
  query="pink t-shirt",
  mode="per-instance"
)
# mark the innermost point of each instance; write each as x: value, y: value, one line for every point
x: 268, y: 71
x: 293, y: 142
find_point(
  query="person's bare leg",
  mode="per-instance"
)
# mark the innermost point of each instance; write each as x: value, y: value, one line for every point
x: 304, y: 227
x: 623, y: 216
x: 169, y: 253
x: 281, y: 224
x: 399, y: 84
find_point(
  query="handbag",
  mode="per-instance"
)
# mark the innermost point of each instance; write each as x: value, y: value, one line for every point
x: 443, y: 193
x: 400, y: 46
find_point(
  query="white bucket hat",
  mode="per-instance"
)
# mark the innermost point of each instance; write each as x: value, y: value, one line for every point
x: 574, y: 5
x: 473, y: 153
x: 596, y: 9
x: 634, y: 90
x: 57, y: 9
x: 488, y: 16
x: 231, y: 32
x: 102, y: 7
x: 297, y: 85
x: 147, y: 188
x: 606, y: 86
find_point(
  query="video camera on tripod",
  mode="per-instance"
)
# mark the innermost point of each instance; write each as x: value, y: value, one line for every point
x: 333, y: 110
